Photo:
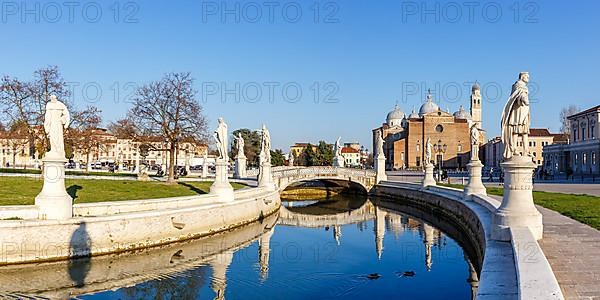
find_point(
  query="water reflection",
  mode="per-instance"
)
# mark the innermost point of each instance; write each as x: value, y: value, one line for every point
x: 300, y: 253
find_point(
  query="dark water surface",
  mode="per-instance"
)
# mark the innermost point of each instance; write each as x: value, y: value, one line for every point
x: 346, y: 248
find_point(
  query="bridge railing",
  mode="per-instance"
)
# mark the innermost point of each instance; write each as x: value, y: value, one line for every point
x: 322, y: 170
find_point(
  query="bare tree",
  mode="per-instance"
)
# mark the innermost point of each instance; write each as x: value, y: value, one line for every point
x: 26, y: 101
x: 123, y: 129
x: 564, y: 113
x: 168, y: 108
x: 83, y: 132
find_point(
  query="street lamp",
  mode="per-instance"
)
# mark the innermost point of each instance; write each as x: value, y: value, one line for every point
x: 440, y: 149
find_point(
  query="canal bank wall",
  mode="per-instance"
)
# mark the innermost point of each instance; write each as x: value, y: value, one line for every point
x: 508, y: 270
x: 112, y: 227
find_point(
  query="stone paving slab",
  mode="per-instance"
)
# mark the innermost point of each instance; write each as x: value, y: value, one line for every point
x: 573, y: 250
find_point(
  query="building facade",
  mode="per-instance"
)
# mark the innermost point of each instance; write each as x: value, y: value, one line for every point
x: 18, y: 151
x: 539, y: 139
x: 352, y: 157
x: 405, y: 135
x: 579, y: 155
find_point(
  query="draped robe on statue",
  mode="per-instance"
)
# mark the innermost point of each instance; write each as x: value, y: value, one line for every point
x: 55, y: 120
x: 515, y: 117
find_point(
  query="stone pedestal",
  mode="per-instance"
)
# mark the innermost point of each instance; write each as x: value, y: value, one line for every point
x: 265, y: 177
x: 53, y: 202
x: 517, y: 208
x: 475, y: 185
x: 429, y: 180
x: 142, y: 175
x: 240, y: 167
x: 338, y: 161
x: 221, y: 186
x: 204, y: 169
x: 380, y: 168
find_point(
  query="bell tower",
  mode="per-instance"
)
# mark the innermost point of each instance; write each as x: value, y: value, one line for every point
x: 476, y: 105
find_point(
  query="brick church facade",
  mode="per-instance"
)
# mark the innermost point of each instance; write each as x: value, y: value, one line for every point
x: 405, y: 135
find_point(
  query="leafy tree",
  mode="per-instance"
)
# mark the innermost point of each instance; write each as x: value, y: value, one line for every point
x: 252, y: 141
x: 308, y: 157
x: 564, y: 113
x: 168, y: 108
x: 277, y: 158
x: 324, y: 154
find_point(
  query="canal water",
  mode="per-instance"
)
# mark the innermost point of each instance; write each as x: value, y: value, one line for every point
x: 340, y: 248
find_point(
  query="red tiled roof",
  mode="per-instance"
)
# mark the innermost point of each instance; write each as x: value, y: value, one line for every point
x: 539, y: 132
x: 349, y: 150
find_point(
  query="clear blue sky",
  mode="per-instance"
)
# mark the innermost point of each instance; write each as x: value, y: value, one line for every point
x: 374, y: 49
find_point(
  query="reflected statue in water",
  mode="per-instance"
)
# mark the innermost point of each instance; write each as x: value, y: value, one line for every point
x: 80, y: 246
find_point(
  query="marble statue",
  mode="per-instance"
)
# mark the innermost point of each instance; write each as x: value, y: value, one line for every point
x: 240, y: 145
x: 338, y: 147
x: 474, y: 142
x: 380, y: 142
x: 428, y: 147
x: 516, y: 119
x: 221, y: 138
x: 265, y: 150
x: 56, y: 119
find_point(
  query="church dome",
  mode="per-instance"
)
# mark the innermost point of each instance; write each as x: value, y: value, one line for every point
x: 414, y: 114
x: 462, y: 114
x: 394, y: 117
x: 428, y: 106
x: 475, y: 87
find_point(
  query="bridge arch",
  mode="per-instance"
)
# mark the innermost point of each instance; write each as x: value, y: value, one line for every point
x: 283, y: 177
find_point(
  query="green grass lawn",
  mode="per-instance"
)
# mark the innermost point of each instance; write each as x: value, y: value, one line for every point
x: 22, y: 190
x: 67, y: 172
x: 583, y: 208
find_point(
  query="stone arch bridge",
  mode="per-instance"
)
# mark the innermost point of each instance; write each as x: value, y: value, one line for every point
x: 284, y: 176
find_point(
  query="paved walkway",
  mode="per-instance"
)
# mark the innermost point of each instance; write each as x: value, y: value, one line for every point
x: 573, y: 250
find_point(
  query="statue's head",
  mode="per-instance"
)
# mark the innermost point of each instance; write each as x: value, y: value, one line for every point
x: 53, y: 98
x: 264, y: 128
x: 524, y: 76
x: 221, y: 120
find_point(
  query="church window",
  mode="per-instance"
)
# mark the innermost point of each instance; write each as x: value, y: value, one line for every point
x: 439, y: 128
x: 460, y: 148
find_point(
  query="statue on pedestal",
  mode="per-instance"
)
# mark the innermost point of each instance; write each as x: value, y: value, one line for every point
x: 265, y: 178
x: 221, y: 138
x: 56, y: 119
x: 53, y: 202
x: 338, y: 159
x: 517, y: 208
x: 265, y: 150
x: 428, y: 147
x: 240, y: 145
x: 380, y: 141
x: 474, y: 142
x: 221, y: 185
x: 516, y: 119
